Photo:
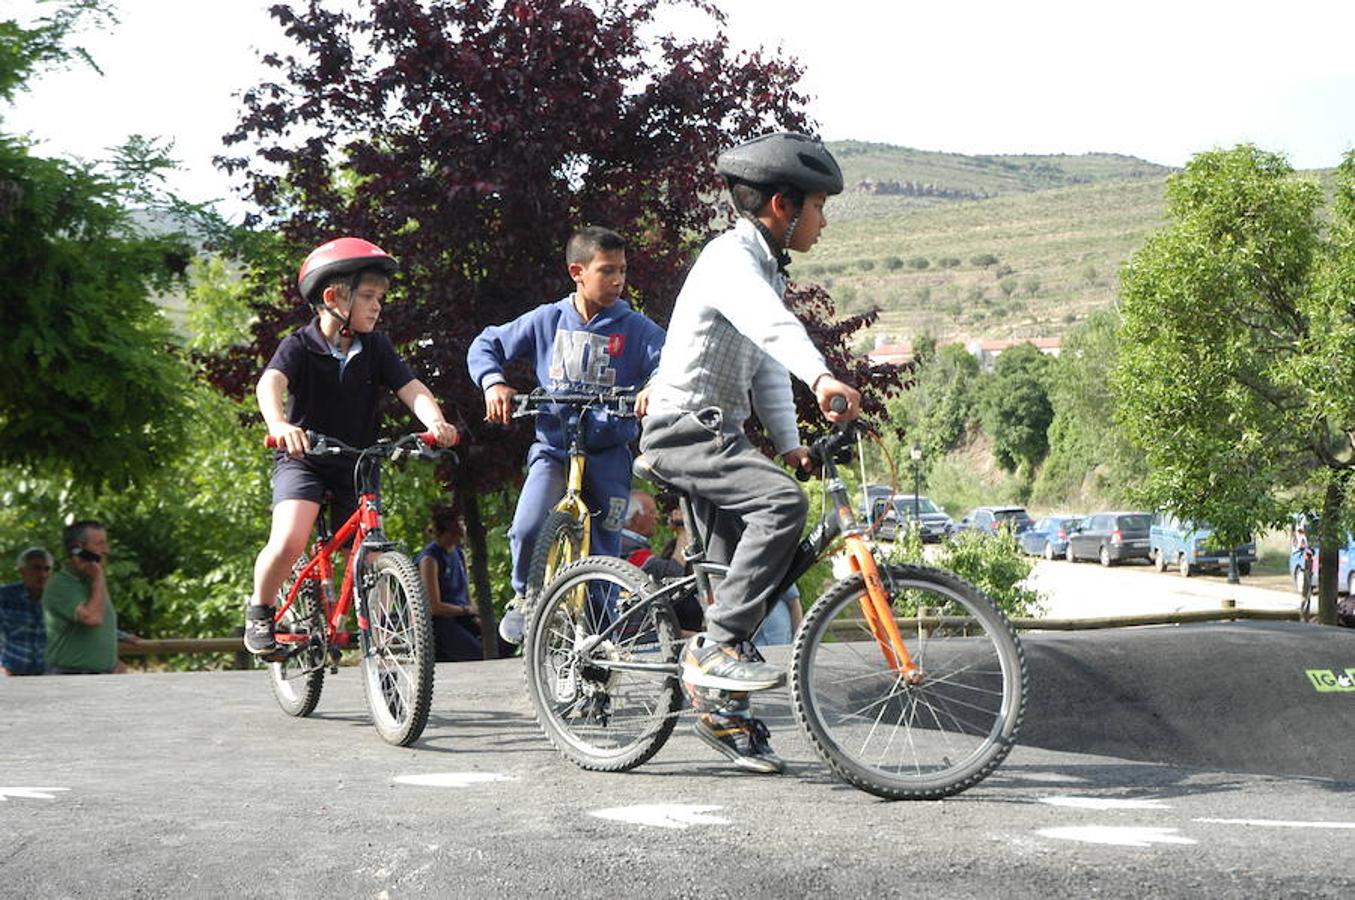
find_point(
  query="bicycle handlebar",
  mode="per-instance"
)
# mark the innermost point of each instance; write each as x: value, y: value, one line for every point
x: 834, y: 444
x: 423, y: 444
x: 538, y: 401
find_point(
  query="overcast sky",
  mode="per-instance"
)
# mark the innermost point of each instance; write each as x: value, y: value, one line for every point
x: 1154, y: 79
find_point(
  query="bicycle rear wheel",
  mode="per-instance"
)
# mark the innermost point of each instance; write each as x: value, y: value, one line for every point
x: 297, y: 680
x: 898, y: 740
x: 397, y: 650
x: 600, y: 717
x: 558, y: 543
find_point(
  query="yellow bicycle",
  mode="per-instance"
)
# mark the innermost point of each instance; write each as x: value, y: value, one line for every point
x: 564, y: 535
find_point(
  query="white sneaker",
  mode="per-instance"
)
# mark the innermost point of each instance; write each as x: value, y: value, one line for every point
x: 512, y: 624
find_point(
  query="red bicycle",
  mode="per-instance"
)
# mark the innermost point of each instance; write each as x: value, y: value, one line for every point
x: 394, y: 633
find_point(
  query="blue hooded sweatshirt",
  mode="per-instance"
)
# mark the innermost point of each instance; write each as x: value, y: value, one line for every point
x: 617, y: 348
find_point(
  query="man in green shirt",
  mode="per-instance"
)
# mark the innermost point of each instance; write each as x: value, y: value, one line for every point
x: 82, y: 625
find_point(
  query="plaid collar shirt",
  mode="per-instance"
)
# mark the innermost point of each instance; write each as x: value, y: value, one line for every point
x: 23, y: 636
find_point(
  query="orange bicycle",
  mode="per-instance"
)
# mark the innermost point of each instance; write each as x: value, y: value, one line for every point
x: 908, y: 681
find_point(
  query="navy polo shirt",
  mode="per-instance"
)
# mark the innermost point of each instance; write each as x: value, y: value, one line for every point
x: 343, y: 404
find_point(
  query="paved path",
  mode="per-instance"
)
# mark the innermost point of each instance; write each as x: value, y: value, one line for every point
x: 196, y: 785
x: 1089, y: 590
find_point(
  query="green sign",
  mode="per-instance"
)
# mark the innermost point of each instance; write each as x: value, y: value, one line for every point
x: 1329, y: 681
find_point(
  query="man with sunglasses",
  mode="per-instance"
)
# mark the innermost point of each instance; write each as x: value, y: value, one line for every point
x: 23, y: 636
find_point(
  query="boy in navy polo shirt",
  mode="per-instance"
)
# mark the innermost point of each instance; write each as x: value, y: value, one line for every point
x: 332, y: 371
x: 589, y: 341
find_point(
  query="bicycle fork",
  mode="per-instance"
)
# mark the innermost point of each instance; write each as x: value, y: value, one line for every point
x: 879, y: 613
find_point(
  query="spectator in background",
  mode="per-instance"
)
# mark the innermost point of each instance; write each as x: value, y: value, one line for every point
x: 442, y: 569
x: 82, y: 624
x: 23, y: 636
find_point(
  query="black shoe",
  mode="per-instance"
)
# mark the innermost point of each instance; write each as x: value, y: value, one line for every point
x: 741, y: 738
x: 259, y: 638
x: 727, y: 667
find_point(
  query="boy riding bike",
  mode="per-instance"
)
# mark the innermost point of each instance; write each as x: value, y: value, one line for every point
x: 731, y: 336
x: 590, y: 341
x: 331, y: 370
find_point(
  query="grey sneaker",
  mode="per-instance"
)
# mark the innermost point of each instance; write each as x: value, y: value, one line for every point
x: 513, y: 623
x: 741, y: 738
x: 727, y: 667
x: 259, y: 637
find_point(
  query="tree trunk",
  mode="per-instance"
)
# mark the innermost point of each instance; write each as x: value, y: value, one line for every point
x: 479, y: 572
x: 1330, y: 539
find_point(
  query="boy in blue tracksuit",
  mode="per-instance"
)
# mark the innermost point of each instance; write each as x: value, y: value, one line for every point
x: 588, y: 341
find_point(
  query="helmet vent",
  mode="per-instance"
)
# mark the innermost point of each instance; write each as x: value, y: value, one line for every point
x: 809, y: 162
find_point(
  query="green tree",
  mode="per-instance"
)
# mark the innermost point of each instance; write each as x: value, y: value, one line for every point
x: 101, y: 395
x: 1091, y: 461
x: 1231, y: 350
x: 1015, y: 408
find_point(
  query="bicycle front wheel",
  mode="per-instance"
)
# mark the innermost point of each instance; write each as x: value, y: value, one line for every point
x: 558, y: 543
x: 297, y: 680
x: 923, y: 738
x: 397, y: 650
x: 606, y: 699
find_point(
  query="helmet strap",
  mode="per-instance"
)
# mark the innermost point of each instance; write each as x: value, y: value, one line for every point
x: 782, y: 257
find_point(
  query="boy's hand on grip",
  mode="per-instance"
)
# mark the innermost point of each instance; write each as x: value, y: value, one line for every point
x: 838, y: 401
x: 289, y: 438
x: 499, y: 404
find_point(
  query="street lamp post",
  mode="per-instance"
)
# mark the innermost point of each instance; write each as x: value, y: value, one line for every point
x: 916, y: 453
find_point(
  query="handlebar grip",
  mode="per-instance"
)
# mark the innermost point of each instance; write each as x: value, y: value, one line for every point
x: 802, y: 475
x: 428, y: 438
x: 270, y: 442
x: 838, y: 403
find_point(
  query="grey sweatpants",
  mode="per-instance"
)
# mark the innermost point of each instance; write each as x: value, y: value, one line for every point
x: 755, y: 509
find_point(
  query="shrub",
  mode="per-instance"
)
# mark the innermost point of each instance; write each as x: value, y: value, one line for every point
x: 983, y: 259
x: 893, y: 263
x: 1008, y: 286
x: 919, y: 262
x: 992, y: 563
x: 974, y: 294
x: 865, y: 265
x: 1003, y: 271
x: 948, y: 262
x: 924, y: 295
x: 1031, y: 285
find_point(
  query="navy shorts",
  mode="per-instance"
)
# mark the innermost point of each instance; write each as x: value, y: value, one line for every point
x: 308, y: 479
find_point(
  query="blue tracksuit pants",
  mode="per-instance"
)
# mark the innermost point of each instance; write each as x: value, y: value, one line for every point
x: 606, y: 491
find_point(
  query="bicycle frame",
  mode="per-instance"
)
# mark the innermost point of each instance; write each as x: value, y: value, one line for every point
x: 838, y: 521
x: 364, y: 528
x: 572, y: 501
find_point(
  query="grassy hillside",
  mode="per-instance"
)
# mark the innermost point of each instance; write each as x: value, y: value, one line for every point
x: 1041, y: 251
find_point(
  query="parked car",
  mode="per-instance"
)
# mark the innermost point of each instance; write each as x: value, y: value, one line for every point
x: 991, y: 518
x: 1110, y: 537
x: 895, y: 512
x: 1048, y: 537
x: 1187, y: 548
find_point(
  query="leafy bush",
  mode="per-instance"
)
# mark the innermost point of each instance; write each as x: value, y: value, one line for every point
x: 893, y: 263
x: 983, y: 259
x: 993, y: 563
x: 1003, y: 271
x: 918, y: 262
x: 865, y: 265
x: 1031, y: 285
x: 1008, y: 286
x: 948, y: 262
x: 974, y: 294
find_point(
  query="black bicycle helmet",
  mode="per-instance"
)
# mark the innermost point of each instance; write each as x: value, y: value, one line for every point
x: 783, y: 157
x: 345, y: 256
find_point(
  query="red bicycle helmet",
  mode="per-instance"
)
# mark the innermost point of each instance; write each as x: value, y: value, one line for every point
x: 340, y: 257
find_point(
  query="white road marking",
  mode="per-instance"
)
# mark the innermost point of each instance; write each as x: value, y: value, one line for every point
x: 1058, y: 777
x: 1133, y: 836
x: 28, y: 793
x: 663, y: 815
x: 1279, y: 823
x: 1103, y: 803
x: 452, y: 779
